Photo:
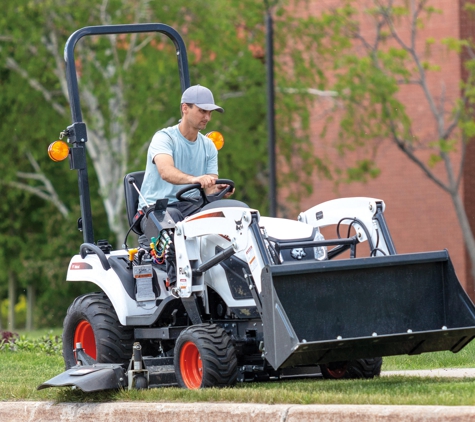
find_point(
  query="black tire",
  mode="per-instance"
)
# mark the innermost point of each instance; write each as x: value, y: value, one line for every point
x: 354, y: 369
x: 205, y: 357
x: 364, y: 368
x: 92, y: 319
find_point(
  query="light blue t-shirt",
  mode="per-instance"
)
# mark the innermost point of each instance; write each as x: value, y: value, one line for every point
x: 193, y: 158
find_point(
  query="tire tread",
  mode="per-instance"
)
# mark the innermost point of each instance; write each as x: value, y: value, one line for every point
x: 113, y: 341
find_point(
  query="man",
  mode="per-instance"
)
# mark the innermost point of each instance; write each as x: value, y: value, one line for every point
x: 181, y: 155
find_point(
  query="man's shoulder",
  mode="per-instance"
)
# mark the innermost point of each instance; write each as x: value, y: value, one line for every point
x: 166, y: 133
x: 163, y: 142
x: 166, y: 136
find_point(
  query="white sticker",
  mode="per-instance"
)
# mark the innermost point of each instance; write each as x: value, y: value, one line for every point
x: 251, y: 258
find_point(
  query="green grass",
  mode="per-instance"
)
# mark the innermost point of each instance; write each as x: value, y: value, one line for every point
x: 391, y: 390
x: 23, y: 371
x: 463, y: 359
x: 36, y: 334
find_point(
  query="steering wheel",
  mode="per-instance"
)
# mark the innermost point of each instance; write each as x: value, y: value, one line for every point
x: 220, y: 195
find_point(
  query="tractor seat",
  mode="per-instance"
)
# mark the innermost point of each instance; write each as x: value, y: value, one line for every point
x: 132, y: 198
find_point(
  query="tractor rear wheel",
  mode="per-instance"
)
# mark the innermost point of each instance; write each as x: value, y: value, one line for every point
x: 92, y: 321
x: 205, y: 357
x: 358, y: 368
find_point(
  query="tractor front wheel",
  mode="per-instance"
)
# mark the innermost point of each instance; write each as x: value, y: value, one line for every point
x: 205, y: 357
x: 92, y: 321
x: 353, y: 369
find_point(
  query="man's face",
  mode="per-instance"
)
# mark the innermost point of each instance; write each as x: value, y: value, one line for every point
x: 196, y: 117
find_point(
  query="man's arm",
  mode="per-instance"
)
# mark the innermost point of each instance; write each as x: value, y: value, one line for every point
x: 168, y: 172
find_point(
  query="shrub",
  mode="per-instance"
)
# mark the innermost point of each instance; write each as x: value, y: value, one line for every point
x: 20, y: 311
x: 48, y: 344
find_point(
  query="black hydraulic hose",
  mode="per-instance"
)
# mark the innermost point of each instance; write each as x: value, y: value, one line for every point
x: 373, y: 252
x: 124, y: 245
x: 86, y: 248
x: 363, y: 226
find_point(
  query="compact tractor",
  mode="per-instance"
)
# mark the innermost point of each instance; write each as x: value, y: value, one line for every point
x: 256, y: 298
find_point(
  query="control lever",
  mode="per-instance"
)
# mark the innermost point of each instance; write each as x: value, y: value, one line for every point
x: 132, y: 182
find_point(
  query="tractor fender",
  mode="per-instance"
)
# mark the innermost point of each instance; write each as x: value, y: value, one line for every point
x: 91, y: 269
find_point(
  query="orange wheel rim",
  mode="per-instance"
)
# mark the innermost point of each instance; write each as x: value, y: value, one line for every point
x: 191, y: 366
x: 85, y: 334
x: 338, y: 371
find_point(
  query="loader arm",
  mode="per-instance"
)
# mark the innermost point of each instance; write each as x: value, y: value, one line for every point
x: 366, y: 215
x: 233, y: 224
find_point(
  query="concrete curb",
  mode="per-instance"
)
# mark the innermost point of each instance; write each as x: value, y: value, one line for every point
x: 232, y: 412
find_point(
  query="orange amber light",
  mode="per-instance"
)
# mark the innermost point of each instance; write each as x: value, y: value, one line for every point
x: 58, y: 150
x: 217, y: 138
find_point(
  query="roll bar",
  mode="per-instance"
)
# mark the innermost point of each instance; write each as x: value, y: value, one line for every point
x: 77, y: 132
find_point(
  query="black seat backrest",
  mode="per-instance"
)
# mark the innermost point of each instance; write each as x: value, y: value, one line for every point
x: 132, y: 196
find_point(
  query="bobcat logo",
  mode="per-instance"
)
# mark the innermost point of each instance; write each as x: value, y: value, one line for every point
x: 298, y: 253
x: 239, y: 225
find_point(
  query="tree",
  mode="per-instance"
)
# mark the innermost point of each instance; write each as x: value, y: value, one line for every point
x: 129, y: 87
x: 368, y: 71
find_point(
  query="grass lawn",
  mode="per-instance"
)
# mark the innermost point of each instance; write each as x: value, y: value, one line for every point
x: 463, y: 359
x: 36, y: 334
x: 23, y: 371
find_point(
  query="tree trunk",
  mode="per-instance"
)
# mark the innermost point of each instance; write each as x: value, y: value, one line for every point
x: 11, y: 300
x: 30, y: 295
x: 468, y: 237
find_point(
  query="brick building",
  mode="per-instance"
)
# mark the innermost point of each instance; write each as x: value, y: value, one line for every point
x: 420, y: 214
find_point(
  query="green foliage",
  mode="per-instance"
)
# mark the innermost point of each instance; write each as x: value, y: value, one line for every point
x: 20, y: 311
x: 367, y: 70
x: 134, y: 86
x: 455, y: 44
x: 364, y: 169
x: 49, y: 344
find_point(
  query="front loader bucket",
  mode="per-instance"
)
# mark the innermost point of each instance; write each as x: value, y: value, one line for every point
x: 329, y: 311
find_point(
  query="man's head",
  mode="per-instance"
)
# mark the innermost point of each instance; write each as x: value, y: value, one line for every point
x: 202, y: 97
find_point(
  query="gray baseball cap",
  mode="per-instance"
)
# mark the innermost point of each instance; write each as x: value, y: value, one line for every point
x: 200, y: 96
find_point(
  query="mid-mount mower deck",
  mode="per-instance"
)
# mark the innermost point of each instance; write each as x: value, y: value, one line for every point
x: 256, y: 297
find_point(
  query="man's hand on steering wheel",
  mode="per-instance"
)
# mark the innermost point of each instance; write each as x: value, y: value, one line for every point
x: 208, y: 183
x: 206, y: 180
x: 222, y: 188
